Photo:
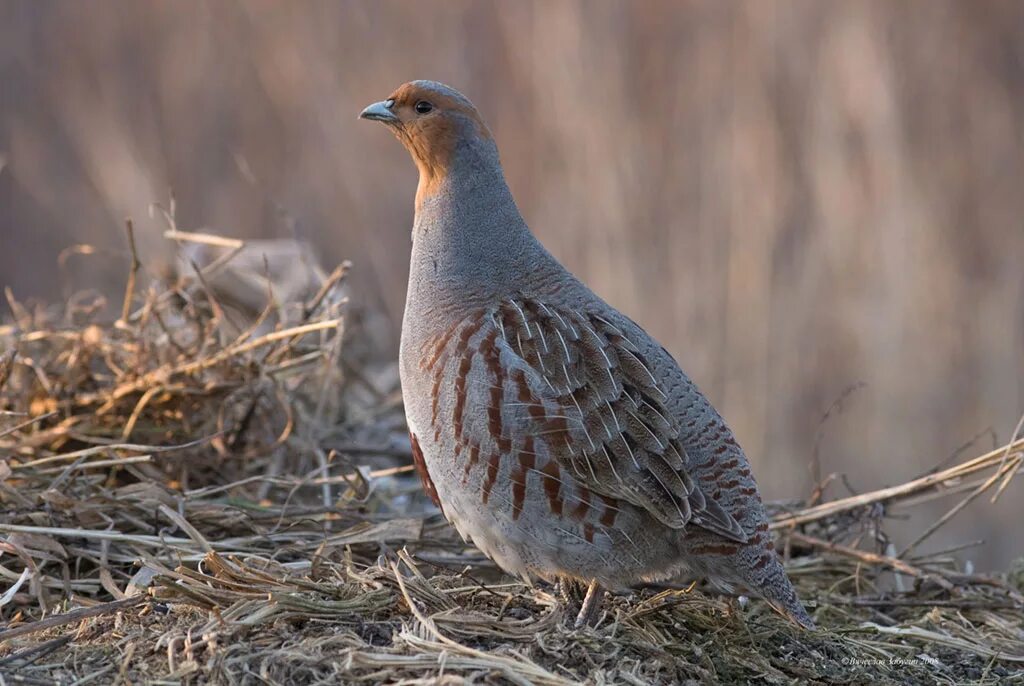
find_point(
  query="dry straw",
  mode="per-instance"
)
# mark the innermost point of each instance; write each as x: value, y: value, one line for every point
x: 190, y: 495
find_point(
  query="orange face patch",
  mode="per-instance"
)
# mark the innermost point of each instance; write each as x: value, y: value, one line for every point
x: 432, y: 137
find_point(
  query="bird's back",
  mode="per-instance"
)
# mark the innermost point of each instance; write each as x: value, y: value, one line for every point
x: 565, y: 441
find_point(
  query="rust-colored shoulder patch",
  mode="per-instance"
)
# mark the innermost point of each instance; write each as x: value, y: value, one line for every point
x: 421, y: 469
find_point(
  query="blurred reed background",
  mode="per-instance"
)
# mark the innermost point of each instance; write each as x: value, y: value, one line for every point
x: 795, y: 197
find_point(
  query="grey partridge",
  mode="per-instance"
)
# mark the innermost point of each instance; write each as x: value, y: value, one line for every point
x: 550, y: 429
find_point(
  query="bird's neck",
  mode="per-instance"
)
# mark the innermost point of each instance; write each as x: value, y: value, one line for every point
x: 470, y: 243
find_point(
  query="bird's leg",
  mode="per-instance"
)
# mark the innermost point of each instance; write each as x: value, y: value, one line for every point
x: 570, y: 591
x: 591, y: 605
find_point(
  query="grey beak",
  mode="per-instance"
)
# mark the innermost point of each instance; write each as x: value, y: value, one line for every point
x: 380, y: 111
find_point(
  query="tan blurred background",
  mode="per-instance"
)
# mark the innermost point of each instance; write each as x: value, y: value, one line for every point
x: 795, y: 197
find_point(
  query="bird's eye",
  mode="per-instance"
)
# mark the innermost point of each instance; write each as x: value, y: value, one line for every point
x: 422, y: 107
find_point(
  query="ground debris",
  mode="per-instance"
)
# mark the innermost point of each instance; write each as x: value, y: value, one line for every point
x: 198, y: 493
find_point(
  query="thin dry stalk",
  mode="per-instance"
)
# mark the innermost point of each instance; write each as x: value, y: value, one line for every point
x: 937, y: 482
x: 129, y: 290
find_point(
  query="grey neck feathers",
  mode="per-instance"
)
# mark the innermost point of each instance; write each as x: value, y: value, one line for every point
x: 470, y: 244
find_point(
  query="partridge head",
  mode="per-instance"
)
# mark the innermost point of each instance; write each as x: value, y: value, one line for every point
x: 551, y: 429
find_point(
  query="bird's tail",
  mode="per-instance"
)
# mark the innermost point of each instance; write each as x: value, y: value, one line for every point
x: 794, y: 612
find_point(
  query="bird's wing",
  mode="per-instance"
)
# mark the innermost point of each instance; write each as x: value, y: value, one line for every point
x: 570, y: 386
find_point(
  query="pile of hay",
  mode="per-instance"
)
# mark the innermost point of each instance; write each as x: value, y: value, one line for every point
x: 203, y: 493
